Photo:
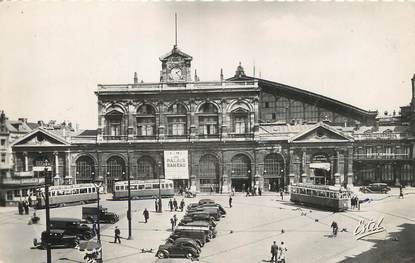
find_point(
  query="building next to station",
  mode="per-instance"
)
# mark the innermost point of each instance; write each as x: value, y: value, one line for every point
x: 236, y: 132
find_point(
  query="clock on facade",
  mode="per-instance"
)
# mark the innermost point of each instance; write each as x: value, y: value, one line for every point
x: 176, y: 74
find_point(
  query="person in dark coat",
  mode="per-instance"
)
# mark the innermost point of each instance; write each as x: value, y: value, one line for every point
x: 171, y: 205
x: 156, y: 204
x: 20, y: 207
x: 282, y: 194
x: 400, y: 191
x: 175, y: 204
x: 30, y: 200
x: 274, y: 252
x: 26, y: 207
x: 146, y: 215
x: 335, y: 228
x: 172, y: 224
x: 117, y: 234
x: 230, y: 201
x: 182, y: 204
x: 259, y: 191
x: 175, y: 220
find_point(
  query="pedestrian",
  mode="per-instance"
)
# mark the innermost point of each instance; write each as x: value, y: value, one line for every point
x: 274, y: 252
x: 233, y: 190
x: 282, y: 194
x: 182, y: 204
x: 160, y: 207
x: 211, y: 189
x: 243, y: 188
x: 20, y: 207
x: 230, y: 201
x: 259, y: 191
x: 30, y: 200
x: 181, y: 190
x: 146, y: 215
x: 171, y: 205
x: 352, y: 204
x: 175, y: 220
x: 172, y: 224
x: 335, y: 228
x: 282, y: 250
x: 358, y: 203
x: 175, y: 204
x: 400, y: 191
x: 26, y: 207
x: 156, y: 204
x: 117, y: 234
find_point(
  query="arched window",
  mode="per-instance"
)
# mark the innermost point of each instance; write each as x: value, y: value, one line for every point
x: 146, y: 120
x: 208, y: 173
x: 114, y: 123
x: 281, y: 109
x: 273, y: 165
x: 115, y: 171
x: 177, y: 120
x: 241, y: 166
x: 146, y: 168
x: 311, y: 113
x: 208, y: 119
x: 84, y: 169
x: 296, y: 110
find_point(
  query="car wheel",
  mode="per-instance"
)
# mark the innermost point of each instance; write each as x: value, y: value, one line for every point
x: 75, y: 243
x: 161, y: 254
x: 189, y: 255
x: 199, y: 243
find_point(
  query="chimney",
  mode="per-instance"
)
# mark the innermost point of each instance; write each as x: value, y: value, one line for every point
x: 221, y: 74
x: 135, y: 78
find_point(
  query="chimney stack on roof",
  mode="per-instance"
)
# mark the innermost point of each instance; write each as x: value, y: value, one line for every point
x: 135, y: 78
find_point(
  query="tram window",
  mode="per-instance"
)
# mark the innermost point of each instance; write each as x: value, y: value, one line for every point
x: 60, y: 192
x: 24, y: 192
x: 147, y: 186
x: 83, y: 190
x: 140, y: 186
x: 171, y: 185
x: 336, y: 196
x: 9, y: 195
x: 162, y: 186
x: 89, y: 190
x: 16, y: 193
x: 314, y: 193
x: 93, y: 190
x: 133, y: 187
x: 156, y: 186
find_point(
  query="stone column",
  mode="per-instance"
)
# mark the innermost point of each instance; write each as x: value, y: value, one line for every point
x: 26, y: 162
x: 304, y: 178
x: 396, y: 174
x: 350, y: 167
x: 336, y: 172
x: 291, y: 167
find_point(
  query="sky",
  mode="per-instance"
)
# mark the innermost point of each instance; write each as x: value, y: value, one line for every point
x: 54, y: 53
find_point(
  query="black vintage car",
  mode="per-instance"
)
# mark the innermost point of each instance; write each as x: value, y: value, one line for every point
x: 180, y: 250
x: 71, y: 226
x: 212, y: 212
x: 199, y: 217
x: 57, y: 238
x: 185, y: 242
x: 90, y: 214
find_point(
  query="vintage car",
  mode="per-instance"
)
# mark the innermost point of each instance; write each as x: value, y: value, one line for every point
x: 206, y: 201
x: 213, y: 212
x: 89, y: 213
x: 186, y: 242
x: 375, y: 188
x: 198, y: 236
x: 193, y: 206
x: 71, y: 226
x: 199, y: 217
x: 180, y: 250
x: 201, y: 224
x: 57, y: 238
x: 206, y: 229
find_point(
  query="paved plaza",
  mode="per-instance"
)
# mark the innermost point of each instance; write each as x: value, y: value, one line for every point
x: 244, y: 235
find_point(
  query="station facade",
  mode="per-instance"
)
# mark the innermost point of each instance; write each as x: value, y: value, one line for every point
x: 238, y: 132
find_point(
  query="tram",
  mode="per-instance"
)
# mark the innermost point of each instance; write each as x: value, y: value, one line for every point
x: 143, y: 188
x: 322, y: 196
x: 65, y: 194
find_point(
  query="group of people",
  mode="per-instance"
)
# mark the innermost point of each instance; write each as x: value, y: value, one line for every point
x: 253, y: 191
x: 278, y: 252
x: 174, y: 205
x: 355, y: 202
x: 23, y: 206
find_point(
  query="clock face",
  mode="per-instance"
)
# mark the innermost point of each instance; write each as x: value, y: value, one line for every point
x: 176, y: 73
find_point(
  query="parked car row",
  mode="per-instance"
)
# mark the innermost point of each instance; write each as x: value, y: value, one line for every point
x: 195, y: 229
x: 67, y: 232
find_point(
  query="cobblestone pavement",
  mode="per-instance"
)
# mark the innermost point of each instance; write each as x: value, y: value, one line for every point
x: 244, y: 235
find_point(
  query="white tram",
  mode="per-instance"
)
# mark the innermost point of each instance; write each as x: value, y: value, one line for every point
x: 64, y: 194
x: 143, y: 188
x: 323, y: 196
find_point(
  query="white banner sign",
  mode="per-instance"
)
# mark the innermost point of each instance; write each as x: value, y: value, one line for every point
x: 176, y: 165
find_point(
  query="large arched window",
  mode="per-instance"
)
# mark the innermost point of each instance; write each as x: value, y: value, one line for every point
x: 84, y: 169
x: 115, y: 171
x: 146, y: 120
x: 177, y: 120
x: 311, y: 113
x: 114, y: 123
x: 296, y: 110
x: 241, y: 166
x: 208, y: 173
x: 273, y: 165
x: 208, y: 119
x: 146, y: 168
x: 281, y: 109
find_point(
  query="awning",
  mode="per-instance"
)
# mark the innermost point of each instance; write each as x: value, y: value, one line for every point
x: 324, y: 166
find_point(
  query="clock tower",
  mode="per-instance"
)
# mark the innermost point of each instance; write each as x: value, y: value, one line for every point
x: 175, y: 66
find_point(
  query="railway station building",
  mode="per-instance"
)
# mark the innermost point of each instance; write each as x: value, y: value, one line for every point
x: 236, y: 132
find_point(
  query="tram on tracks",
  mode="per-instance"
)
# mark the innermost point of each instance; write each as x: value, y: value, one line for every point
x: 321, y: 196
x: 143, y: 189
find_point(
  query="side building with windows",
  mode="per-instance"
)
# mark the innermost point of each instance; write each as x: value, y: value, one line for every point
x: 241, y: 132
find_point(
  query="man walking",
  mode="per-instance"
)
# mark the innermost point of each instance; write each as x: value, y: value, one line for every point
x: 282, y: 194
x: 171, y: 205
x: 175, y: 220
x: 146, y: 215
x: 335, y: 228
x: 156, y: 204
x: 282, y: 249
x: 172, y: 224
x: 230, y: 201
x: 182, y: 205
x: 175, y: 204
x: 211, y: 189
x: 400, y: 191
x: 274, y: 252
x: 117, y: 234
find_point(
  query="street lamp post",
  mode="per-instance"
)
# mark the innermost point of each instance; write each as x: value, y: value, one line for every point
x: 47, y: 182
x: 129, y: 203
x: 160, y: 202
x: 97, y: 183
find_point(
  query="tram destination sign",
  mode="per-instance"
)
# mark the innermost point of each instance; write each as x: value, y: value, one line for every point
x: 176, y: 165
